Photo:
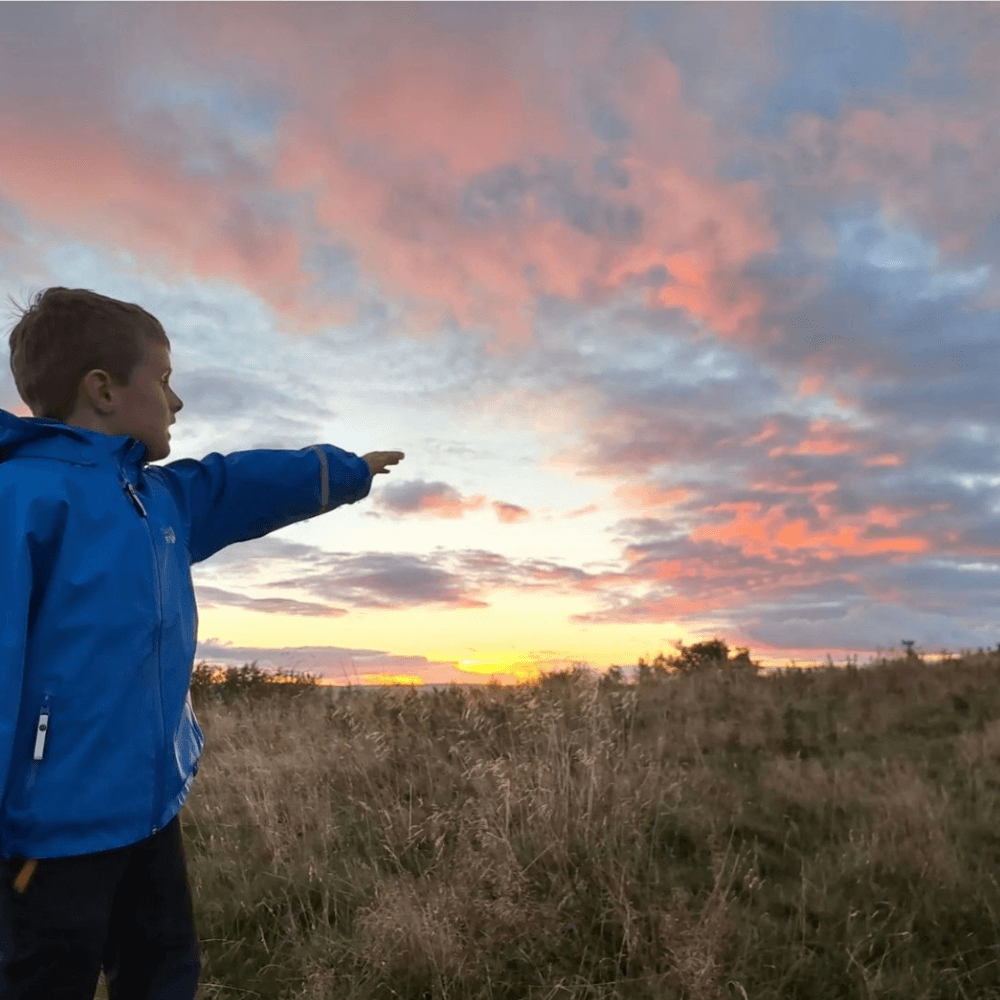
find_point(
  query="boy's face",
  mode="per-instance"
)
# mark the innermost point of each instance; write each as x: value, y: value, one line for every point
x: 145, y: 409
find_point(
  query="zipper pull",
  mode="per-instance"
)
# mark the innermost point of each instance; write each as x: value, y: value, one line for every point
x: 135, y: 497
x: 41, y: 732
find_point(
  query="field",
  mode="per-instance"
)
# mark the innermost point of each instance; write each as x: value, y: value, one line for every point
x: 823, y: 833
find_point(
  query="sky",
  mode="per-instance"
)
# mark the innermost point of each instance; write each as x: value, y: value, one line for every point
x: 685, y: 315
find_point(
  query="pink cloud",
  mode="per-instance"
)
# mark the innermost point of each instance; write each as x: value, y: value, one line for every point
x: 113, y: 194
x: 509, y: 513
x: 390, y: 119
x: 886, y: 459
x: 762, y: 532
x: 438, y: 111
x: 650, y: 495
x: 825, y: 438
x: 433, y: 98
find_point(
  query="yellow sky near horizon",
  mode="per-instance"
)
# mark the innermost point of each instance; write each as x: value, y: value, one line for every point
x: 544, y: 641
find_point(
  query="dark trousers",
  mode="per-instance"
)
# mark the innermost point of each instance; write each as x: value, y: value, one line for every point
x: 128, y: 910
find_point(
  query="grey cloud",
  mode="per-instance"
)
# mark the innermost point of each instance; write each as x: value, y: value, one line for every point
x: 242, y: 559
x: 410, y: 497
x: 956, y: 386
x: 489, y: 569
x: 495, y: 195
x: 902, y: 338
x: 947, y: 585
x: 439, y: 499
x: 726, y: 68
x: 986, y: 534
x: 379, y: 580
x: 610, y: 172
x: 591, y: 214
x: 832, y: 53
x: 335, y: 268
x: 501, y: 194
x: 212, y: 393
x: 218, y: 597
x: 608, y: 124
x: 986, y: 242
x: 873, y: 625
x: 59, y: 56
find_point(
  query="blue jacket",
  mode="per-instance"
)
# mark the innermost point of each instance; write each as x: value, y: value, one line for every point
x: 99, y: 744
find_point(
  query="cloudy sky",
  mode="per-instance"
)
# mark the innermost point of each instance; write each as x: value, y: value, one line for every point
x: 685, y: 315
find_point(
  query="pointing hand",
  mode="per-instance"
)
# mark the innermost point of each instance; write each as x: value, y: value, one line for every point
x: 378, y: 460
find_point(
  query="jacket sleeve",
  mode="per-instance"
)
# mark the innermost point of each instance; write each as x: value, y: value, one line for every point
x: 233, y: 498
x: 17, y: 590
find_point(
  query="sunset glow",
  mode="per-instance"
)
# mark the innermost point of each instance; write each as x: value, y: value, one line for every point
x: 685, y: 315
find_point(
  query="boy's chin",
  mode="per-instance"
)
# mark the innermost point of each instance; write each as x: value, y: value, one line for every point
x: 156, y: 452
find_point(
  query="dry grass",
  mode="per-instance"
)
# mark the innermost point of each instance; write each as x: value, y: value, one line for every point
x: 830, y: 833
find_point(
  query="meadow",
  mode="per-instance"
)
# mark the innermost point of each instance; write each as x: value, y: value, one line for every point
x: 718, y: 833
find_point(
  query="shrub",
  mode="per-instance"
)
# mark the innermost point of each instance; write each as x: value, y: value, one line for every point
x: 707, y: 655
x: 246, y: 682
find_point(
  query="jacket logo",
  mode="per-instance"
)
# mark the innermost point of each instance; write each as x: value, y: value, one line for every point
x: 168, y: 534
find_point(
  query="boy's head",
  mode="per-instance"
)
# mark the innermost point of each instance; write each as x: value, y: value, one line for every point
x: 94, y: 362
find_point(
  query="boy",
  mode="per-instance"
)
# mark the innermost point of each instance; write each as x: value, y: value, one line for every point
x: 99, y: 744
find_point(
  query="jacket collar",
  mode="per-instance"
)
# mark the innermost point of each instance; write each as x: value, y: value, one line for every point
x: 43, y: 437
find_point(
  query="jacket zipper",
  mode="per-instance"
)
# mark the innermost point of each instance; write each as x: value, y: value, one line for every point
x: 130, y: 489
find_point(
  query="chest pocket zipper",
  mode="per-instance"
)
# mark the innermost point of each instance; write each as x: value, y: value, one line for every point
x: 41, y: 731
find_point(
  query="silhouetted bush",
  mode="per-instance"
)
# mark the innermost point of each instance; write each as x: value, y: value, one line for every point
x: 713, y: 654
x: 247, y: 682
